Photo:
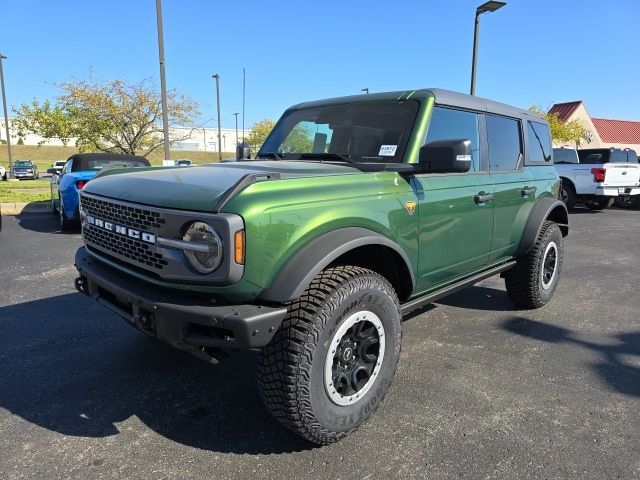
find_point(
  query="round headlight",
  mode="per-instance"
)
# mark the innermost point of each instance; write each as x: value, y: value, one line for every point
x: 203, y: 234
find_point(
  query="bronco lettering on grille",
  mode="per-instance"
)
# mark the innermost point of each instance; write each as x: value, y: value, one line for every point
x: 120, y: 229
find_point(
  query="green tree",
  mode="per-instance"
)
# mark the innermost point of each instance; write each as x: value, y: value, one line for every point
x: 299, y: 140
x: 20, y: 141
x: 110, y: 117
x: 563, y: 132
x: 259, y: 133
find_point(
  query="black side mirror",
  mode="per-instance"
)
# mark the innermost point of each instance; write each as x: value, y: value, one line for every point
x: 446, y: 156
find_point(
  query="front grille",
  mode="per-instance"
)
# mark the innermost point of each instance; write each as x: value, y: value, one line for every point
x: 132, y: 249
x: 125, y: 247
x: 133, y: 217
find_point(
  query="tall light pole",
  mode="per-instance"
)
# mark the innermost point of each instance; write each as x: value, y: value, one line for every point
x: 236, y: 115
x: 490, y: 6
x: 217, y: 77
x: 6, y: 117
x: 365, y: 90
x: 163, y: 82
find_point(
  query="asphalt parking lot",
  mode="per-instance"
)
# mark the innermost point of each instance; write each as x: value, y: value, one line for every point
x: 482, y: 390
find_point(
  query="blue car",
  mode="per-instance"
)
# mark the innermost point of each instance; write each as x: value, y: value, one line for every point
x: 79, y: 169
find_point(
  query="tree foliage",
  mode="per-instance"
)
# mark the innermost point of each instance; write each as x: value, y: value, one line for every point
x: 298, y: 140
x: 259, y: 133
x: 563, y: 132
x: 110, y: 117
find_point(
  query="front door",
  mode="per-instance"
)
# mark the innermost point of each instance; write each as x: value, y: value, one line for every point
x: 456, y: 210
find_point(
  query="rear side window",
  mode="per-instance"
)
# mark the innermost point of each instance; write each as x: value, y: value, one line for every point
x: 539, y: 142
x: 450, y: 124
x: 503, y: 135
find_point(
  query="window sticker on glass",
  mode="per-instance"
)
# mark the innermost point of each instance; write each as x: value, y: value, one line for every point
x: 387, y: 150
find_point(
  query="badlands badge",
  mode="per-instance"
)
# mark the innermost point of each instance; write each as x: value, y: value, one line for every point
x: 411, y: 206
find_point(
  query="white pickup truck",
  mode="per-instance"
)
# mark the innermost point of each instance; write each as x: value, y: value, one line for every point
x: 595, y: 176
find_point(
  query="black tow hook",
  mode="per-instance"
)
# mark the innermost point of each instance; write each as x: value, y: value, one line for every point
x: 81, y: 285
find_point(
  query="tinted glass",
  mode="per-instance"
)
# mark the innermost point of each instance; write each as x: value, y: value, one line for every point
x: 539, y: 142
x: 364, y: 132
x: 594, y: 155
x: 450, y: 124
x: 503, y: 136
x: 23, y: 163
x: 565, y: 155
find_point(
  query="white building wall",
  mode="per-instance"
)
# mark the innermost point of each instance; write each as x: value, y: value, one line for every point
x: 191, y: 138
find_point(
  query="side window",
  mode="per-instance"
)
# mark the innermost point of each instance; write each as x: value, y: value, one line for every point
x: 503, y: 137
x: 449, y: 124
x: 67, y: 167
x: 539, y: 143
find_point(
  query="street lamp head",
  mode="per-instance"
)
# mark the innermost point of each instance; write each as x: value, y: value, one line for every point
x: 216, y: 76
x: 490, y: 6
x: 3, y: 57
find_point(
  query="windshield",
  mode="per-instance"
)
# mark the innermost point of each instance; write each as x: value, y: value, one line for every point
x: 99, y: 164
x: 354, y: 132
x: 60, y: 164
x: 22, y: 163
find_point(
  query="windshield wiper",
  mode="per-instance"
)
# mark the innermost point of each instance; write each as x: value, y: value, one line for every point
x: 270, y: 154
x: 335, y: 156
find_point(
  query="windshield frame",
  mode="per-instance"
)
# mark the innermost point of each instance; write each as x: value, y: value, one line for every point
x: 349, y: 158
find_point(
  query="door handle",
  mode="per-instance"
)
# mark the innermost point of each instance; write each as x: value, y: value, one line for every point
x: 483, y: 197
x: 526, y: 191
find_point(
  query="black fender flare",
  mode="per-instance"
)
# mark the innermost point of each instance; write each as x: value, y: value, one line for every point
x: 546, y: 207
x: 302, y: 268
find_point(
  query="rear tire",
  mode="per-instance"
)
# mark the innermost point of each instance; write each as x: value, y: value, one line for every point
x: 65, y: 223
x: 569, y: 196
x: 330, y: 364
x: 599, y: 204
x: 534, y: 279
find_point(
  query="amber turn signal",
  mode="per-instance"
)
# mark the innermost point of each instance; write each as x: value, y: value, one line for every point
x: 238, y: 240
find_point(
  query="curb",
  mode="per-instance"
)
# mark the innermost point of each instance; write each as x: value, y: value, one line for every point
x: 19, y: 208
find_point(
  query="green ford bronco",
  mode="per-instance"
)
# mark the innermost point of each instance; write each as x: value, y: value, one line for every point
x: 354, y: 212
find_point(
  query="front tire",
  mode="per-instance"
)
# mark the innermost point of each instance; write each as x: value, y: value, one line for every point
x: 534, y: 279
x: 332, y: 361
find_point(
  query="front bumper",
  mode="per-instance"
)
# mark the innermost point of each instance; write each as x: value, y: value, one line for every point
x: 187, y: 323
x: 617, y: 191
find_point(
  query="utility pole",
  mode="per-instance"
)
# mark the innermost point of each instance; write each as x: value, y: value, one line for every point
x: 236, y: 115
x: 217, y: 77
x: 6, y: 117
x: 163, y: 83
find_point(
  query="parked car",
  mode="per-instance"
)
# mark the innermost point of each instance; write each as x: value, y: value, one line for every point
x: 77, y: 171
x: 57, y: 166
x: 3, y: 173
x: 23, y: 169
x: 596, y: 176
x: 312, y: 252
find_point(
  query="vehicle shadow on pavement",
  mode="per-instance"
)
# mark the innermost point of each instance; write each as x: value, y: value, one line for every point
x: 621, y: 377
x: 44, y: 222
x: 70, y: 366
x: 480, y: 298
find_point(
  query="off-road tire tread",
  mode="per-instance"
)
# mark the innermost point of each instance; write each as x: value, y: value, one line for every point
x: 285, y: 363
x: 522, y: 281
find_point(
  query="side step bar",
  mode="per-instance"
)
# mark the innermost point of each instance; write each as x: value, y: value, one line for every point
x: 431, y: 297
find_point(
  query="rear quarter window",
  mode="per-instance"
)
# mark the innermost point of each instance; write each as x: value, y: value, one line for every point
x: 538, y: 143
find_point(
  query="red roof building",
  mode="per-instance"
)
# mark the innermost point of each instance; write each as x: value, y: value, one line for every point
x: 604, y: 132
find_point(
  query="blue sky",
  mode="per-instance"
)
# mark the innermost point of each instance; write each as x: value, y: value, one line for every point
x: 531, y: 51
